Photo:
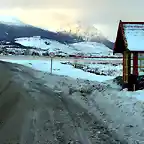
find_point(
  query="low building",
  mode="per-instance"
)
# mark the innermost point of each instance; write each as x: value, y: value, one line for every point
x: 130, y: 42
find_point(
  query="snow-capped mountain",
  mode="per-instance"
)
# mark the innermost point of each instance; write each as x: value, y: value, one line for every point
x: 88, y: 33
x: 10, y: 20
x: 11, y: 28
x: 17, y: 37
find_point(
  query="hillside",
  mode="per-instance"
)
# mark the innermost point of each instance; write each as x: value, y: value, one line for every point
x: 81, y: 48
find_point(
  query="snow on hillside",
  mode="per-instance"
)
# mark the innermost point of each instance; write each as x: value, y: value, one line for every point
x: 45, y: 44
x: 81, y: 48
x: 10, y: 20
x: 92, y: 48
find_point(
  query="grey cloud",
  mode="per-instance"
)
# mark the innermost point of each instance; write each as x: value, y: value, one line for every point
x: 42, y: 3
x: 107, y: 12
x: 100, y: 11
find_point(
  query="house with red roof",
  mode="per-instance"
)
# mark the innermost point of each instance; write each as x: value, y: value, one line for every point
x: 130, y: 42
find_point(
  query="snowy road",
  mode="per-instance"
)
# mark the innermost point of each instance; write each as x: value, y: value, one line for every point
x: 34, y: 113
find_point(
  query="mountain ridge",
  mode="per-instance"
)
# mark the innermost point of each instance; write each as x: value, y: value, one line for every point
x: 89, y: 33
x: 11, y: 31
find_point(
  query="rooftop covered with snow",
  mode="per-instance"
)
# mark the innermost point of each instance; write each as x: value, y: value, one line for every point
x: 130, y: 36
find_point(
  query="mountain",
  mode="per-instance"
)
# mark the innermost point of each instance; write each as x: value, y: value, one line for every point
x: 88, y: 33
x: 104, y: 41
x: 11, y: 28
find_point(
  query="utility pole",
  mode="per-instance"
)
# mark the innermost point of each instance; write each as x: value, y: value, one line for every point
x: 51, y: 56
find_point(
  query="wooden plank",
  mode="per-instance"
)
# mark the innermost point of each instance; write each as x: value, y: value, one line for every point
x: 129, y: 63
x: 126, y: 66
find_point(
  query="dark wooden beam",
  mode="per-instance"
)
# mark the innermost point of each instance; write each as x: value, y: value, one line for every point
x: 135, y: 63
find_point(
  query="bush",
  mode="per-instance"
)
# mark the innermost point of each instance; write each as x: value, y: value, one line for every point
x: 118, y: 80
x: 139, y: 84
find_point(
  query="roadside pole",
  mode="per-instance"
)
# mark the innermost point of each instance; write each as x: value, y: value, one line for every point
x: 51, y: 56
x: 51, y: 64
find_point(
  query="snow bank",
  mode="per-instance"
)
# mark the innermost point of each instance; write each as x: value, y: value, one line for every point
x: 121, y: 111
x: 139, y: 95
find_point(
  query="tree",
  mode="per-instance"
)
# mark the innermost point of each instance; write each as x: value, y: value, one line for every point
x: 27, y: 52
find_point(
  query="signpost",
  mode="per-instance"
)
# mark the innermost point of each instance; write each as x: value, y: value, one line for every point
x: 51, y: 56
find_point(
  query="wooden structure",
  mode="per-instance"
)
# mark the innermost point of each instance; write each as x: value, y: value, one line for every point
x: 130, y: 42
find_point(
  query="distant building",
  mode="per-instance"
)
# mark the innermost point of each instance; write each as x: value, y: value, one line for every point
x: 130, y: 42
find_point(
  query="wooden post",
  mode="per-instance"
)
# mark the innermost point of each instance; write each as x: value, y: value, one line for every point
x: 135, y: 63
x: 129, y: 63
x: 126, y: 66
x: 135, y: 67
x: 134, y: 87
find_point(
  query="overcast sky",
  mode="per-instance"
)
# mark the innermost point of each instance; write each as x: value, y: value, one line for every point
x: 53, y: 14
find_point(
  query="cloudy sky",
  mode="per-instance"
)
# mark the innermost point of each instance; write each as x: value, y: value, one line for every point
x: 55, y: 14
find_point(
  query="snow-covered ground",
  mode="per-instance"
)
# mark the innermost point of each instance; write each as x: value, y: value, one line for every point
x: 60, y: 69
x: 81, y: 48
x: 108, y: 68
x: 121, y: 111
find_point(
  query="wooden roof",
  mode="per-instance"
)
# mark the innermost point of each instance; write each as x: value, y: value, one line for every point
x: 130, y: 35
